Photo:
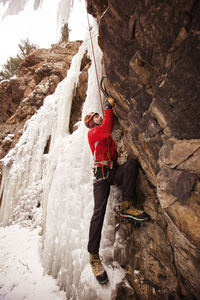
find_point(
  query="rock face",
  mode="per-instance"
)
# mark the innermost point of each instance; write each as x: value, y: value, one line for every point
x: 20, y: 97
x: 151, y: 53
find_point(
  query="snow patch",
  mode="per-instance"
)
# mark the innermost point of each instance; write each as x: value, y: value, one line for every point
x: 21, y: 273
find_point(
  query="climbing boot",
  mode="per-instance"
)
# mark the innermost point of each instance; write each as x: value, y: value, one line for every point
x: 132, y: 213
x: 98, y: 269
x: 124, y: 204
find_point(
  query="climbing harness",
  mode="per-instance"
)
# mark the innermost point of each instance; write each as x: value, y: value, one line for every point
x: 103, y: 163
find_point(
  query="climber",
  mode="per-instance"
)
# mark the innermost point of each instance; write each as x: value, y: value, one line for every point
x: 106, y: 173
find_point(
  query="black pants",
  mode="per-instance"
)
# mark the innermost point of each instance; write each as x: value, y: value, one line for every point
x: 124, y: 176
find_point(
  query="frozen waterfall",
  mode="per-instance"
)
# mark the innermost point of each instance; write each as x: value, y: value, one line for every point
x: 61, y: 181
x: 13, y: 7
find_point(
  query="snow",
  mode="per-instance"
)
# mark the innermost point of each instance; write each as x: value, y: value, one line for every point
x: 54, y: 191
x: 22, y: 275
x: 9, y: 137
x: 21, y: 272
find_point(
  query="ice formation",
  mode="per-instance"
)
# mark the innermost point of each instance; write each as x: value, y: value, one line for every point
x: 61, y: 181
x: 15, y: 6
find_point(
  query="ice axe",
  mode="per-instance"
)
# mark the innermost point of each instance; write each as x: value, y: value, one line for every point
x: 103, y: 89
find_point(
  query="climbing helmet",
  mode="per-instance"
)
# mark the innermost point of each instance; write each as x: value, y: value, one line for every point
x: 88, y: 118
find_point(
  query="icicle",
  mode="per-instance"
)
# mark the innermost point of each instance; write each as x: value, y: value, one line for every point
x: 64, y: 6
x: 63, y: 11
x: 24, y: 166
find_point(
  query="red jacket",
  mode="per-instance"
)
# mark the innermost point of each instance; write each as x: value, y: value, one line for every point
x: 101, y: 143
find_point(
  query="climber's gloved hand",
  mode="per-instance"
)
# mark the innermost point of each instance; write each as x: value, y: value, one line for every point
x: 109, y: 103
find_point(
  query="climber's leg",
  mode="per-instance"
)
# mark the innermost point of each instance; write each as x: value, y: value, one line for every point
x: 126, y: 176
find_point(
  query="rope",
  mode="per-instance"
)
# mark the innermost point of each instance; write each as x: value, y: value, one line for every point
x: 89, y: 28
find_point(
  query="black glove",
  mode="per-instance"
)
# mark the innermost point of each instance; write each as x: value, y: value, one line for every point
x: 109, y: 103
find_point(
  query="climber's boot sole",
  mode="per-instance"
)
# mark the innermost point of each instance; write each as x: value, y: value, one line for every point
x: 130, y: 218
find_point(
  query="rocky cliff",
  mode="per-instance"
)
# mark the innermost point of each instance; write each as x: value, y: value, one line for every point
x: 151, y: 56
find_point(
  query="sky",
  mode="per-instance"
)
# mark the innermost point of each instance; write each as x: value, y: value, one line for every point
x: 40, y: 26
